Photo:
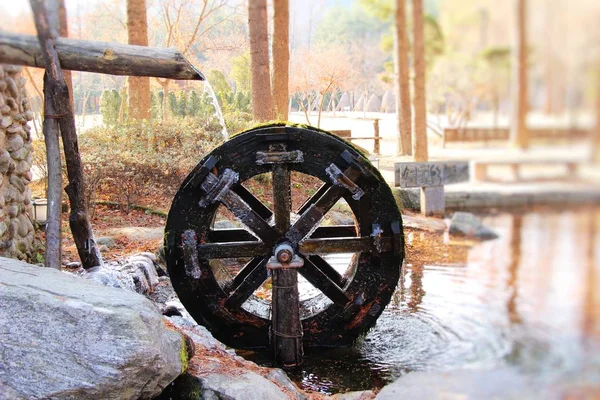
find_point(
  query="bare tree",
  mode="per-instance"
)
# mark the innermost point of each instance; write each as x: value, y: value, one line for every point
x: 138, y: 86
x: 419, y: 144
x: 519, y: 136
x: 317, y: 72
x: 186, y: 22
x: 281, y: 57
x: 403, y: 110
x: 262, y: 99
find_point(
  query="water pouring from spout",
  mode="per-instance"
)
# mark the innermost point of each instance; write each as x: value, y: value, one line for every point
x: 213, y: 97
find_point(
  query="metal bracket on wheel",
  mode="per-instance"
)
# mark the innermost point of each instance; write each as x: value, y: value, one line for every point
x: 376, y: 234
x: 216, y: 187
x: 338, y: 178
x: 279, y: 157
x: 273, y: 263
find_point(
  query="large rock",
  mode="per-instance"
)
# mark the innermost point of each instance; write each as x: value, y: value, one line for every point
x: 468, y: 225
x: 70, y: 338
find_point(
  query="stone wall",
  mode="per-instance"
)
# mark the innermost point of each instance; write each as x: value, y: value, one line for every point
x: 16, y: 227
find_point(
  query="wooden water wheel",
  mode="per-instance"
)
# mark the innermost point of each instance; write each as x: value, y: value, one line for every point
x: 218, y: 272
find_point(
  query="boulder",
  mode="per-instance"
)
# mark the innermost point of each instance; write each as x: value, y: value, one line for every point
x: 138, y: 273
x: 69, y: 338
x: 105, y: 241
x: 468, y: 225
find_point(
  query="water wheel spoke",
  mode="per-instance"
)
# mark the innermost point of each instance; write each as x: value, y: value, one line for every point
x: 343, y: 245
x: 263, y: 211
x: 282, y: 198
x: 232, y: 250
x: 247, y: 283
x: 334, y: 231
x: 312, y: 217
x: 313, y: 199
x: 328, y: 270
x: 246, y: 271
x: 323, y: 282
x: 231, y: 235
x: 249, y: 217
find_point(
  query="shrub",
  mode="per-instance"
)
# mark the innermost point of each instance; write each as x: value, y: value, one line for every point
x: 133, y: 162
x: 110, y: 105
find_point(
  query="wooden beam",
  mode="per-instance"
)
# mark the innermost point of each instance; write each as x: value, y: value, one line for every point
x: 54, y: 191
x: 100, y: 57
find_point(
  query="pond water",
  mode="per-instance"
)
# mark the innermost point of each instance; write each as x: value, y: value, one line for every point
x: 529, y: 301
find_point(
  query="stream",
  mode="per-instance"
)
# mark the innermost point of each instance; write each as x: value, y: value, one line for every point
x: 527, y: 301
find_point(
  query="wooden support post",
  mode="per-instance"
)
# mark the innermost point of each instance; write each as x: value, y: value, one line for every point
x: 376, y: 136
x: 432, y: 201
x: 56, y: 87
x: 479, y: 171
x: 286, y: 327
x: 54, y: 191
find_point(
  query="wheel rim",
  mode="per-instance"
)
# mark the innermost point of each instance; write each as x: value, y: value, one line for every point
x: 229, y: 310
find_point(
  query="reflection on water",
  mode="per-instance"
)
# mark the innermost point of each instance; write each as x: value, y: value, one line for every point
x: 528, y: 300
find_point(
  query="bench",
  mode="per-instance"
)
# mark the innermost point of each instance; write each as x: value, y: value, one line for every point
x: 431, y: 178
x: 480, y: 168
x: 485, y: 135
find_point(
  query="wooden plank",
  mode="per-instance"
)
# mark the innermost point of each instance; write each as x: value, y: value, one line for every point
x: 425, y: 174
x: 233, y: 250
x: 100, y: 57
x: 242, y: 235
x: 342, y: 245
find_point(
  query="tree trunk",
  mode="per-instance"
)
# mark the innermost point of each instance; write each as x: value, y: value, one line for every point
x: 138, y: 87
x: 281, y: 57
x: 420, y: 130
x: 596, y: 133
x: 262, y: 100
x: 403, y: 110
x: 57, y: 88
x: 54, y: 190
x: 519, y: 136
